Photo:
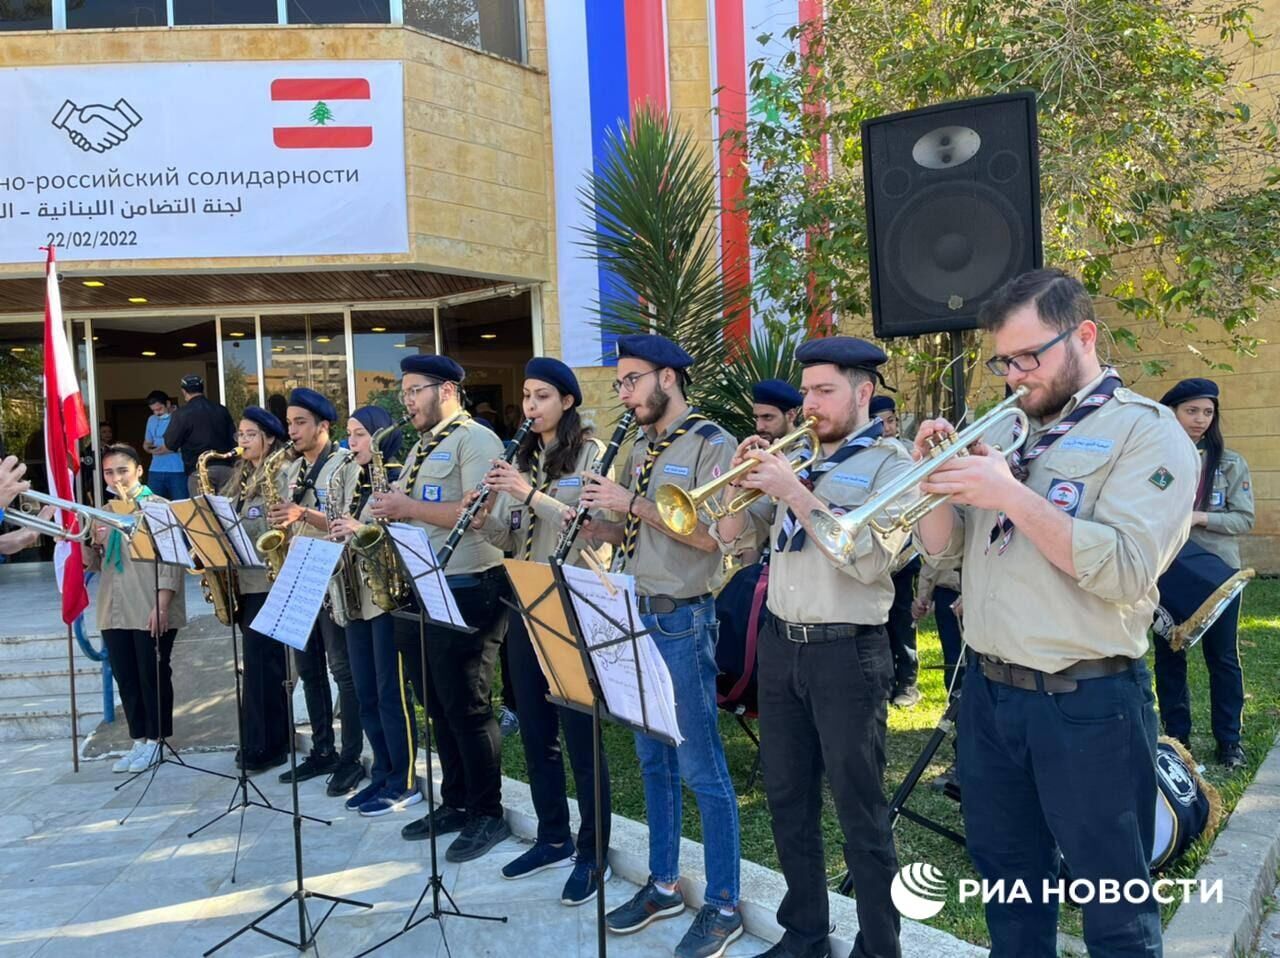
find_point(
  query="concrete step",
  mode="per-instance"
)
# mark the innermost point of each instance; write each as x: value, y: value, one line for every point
x: 45, y: 717
x: 37, y: 677
x: 41, y: 646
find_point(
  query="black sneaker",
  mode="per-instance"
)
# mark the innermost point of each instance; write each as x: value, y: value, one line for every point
x: 446, y: 820
x: 711, y: 933
x: 313, y: 766
x: 345, y: 778
x: 1231, y: 757
x: 480, y: 834
x: 646, y: 906
x: 365, y: 794
x: 582, y: 885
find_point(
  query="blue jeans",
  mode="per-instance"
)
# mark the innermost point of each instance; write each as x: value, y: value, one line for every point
x: 686, y: 639
x: 168, y: 485
x: 378, y: 673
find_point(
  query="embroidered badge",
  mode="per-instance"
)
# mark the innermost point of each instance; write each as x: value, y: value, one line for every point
x: 255, y: 512
x: 1162, y: 478
x: 1066, y: 495
x: 716, y: 440
x: 517, y: 517
x: 715, y: 471
x: 322, y: 496
x: 1218, y: 499
x: 1245, y: 485
x: 430, y: 493
x: 440, y: 457
x: 671, y: 469
x: 568, y: 481
x: 1087, y: 444
x: 863, y: 482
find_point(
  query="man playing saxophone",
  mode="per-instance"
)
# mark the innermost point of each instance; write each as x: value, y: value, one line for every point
x: 304, y: 486
x: 825, y: 666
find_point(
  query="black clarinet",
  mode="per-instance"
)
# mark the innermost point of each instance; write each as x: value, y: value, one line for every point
x: 483, y: 493
x: 579, y: 519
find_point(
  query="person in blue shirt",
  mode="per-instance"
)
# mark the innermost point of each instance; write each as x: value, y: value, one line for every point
x: 166, y: 477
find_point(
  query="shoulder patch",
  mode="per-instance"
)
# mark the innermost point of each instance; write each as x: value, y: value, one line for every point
x: 1162, y: 478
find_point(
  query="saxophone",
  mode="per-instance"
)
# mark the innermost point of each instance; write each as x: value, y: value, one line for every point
x: 216, y: 585
x: 345, y: 599
x: 273, y: 545
x: 372, y: 543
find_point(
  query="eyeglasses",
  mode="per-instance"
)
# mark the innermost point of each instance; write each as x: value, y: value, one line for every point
x: 247, y: 436
x: 1025, y: 362
x: 408, y: 395
x: 628, y: 383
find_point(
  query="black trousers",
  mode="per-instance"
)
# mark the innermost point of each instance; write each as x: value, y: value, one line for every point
x: 902, y: 631
x: 824, y: 706
x: 148, y: 708
x: 328, y: 648
x: 266, y: 706
x: 1221, y: 652
x: 460, y: 676
x: 540, y: 725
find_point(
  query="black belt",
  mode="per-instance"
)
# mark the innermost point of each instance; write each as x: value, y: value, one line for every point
x: 810, y: 633
x: 1064, y: 680
x: 666, y: 604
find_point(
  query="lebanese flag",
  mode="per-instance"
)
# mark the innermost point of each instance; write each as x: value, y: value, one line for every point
x: 65, y: 424
x: 314, y: 99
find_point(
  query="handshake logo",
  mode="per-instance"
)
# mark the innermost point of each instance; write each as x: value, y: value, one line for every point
x: 96, y: 127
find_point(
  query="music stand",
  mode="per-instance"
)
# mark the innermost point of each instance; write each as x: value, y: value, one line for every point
x: 152, y: 545
x: 544, y: 599
x: 418, y: 564
x: 224, y: 547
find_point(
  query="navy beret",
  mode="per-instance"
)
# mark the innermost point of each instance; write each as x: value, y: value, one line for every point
x: 846, y: 351
x: 881, y: 404
x: 1191, y: 389
x: 313, y: 402
x: 374, y: 418
x: 267, y: 421
x: 437, y: 367
x: 777, y: 392
x: 653, y: 349
x: 556, y: 373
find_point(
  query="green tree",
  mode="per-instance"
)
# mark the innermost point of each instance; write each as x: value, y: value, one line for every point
x: 321, y: 114
x: 1158, y: 180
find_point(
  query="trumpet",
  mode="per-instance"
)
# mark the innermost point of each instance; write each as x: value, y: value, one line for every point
x: 679, y: 508
x: 836, y: 535
x: 128, y: 524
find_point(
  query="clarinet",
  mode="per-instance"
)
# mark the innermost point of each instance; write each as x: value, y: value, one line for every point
x: 482, y: 495
x: 580, y: 516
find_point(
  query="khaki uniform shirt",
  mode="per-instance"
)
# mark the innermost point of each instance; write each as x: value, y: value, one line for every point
x: 806, y: 586
x: 1127, y: 475
x: 508, y: 523
x: 253, y: 518
x: 317, y: 498
x: 932, y: 577
x: 455, y: 467
x: 1230, y: 510
x: 126, y: 597
x: 663, y: 565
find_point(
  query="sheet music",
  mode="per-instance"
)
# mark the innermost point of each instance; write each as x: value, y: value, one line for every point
x: 234, y: 529
x: 428, y: 580
x: 166, y: 532
x: 616, y: 665
x: 298, y: 592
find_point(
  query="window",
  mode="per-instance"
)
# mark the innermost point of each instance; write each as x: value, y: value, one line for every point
x: 306, y: 350
x: 491, y: 25
x: 26, y: 15
x: 339, y: 11
x: 202, y: 12
x: 240, y: 364
x: 85, y: 14
x: 381, y: 338
x: 492, y: 340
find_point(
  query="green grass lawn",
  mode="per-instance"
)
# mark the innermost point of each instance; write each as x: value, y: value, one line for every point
x: 908, y: 733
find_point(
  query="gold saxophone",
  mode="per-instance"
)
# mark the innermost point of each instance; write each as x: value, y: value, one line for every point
x: 273, y: 545
x: 216, y: 585
x: 347, y: 578
x: 372, y: 543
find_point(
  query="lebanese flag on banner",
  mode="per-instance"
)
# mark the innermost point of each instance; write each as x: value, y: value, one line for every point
x: 321, y: 101
x: 65, y: 424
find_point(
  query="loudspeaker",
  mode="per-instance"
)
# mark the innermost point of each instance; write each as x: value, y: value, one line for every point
x: 953, y: 210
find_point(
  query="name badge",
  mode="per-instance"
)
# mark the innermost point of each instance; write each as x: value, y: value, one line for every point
x: 863, y: 482
x: 517, y: 519
x: 430, y: 493
x: 1087, y: 444
x: 569, y: 481
x: 1218, y: 499
x: 254, y: 512
x: 673, y: 470
x: 1066, y: 495
x: 440, y: 457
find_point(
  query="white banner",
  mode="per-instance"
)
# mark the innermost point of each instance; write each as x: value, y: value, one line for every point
x: 169, y: 160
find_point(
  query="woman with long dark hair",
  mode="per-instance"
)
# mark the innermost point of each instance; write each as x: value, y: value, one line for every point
x: 535, y: 493
x: 1223, y: 512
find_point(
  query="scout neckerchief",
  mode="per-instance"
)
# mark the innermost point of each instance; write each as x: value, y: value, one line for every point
x: 308, y: 484
x: 792, y: 537
x: 1020, y: 461
x: 426, y: 451
x: 539, y: 483
x: 113, y: 553
x: 631, y: 531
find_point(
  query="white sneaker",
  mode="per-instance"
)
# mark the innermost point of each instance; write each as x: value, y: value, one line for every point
x: 122, y: 764
x: 148, y: 755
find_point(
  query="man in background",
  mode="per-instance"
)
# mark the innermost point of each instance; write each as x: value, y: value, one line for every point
x: 200, y: 425
x: 166, y: 477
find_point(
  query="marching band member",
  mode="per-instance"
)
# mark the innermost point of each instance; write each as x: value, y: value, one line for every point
x: 825, y: 662
x: 451, y: 456
x: 1061, y: 553
x: 1223, y: 512
x: 266, y: 708
x: 672, y: 575
x: 306, y: 481
x: 376, y: 665
x: 775, y: 403
x: 135, y: 618
x: 885, y: 409
x: 534, y: 495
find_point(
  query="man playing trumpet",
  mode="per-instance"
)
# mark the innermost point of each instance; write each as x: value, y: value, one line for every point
x: 824, y: 662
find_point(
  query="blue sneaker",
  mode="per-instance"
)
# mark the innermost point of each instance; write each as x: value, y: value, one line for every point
x: 359, y: 798
x: 711, y: 933
x: 390, y: 800
x: 582, y: 885
x: 537, y: 859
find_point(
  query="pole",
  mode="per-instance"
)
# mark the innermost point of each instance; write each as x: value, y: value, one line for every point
x: 957, y: 376
x: 75, y: 717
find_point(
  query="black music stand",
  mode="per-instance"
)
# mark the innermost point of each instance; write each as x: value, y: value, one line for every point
x: 306, y: 930
x: 229, y: 533
x: 574, y: 683
x: 425, y: 571
x: 175, y: 542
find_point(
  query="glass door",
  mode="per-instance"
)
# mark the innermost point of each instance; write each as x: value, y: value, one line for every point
x: 306, y: 349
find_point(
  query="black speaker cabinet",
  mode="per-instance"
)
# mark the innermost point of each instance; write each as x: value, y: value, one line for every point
x: 953, y: 210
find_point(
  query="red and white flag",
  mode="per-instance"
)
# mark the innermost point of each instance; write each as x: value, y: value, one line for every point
x: 327, y: 105
x: 65, y: 424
